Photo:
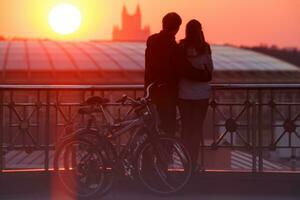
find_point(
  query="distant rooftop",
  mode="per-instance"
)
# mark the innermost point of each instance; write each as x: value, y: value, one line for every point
x: 232, y: 58
x: 104, y: 62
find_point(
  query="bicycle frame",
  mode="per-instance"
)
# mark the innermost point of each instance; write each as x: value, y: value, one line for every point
x: 114, y: 129
x: 145, y: 120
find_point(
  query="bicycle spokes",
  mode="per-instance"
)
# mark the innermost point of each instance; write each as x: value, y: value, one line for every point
x: 81, y: 168
x: 164, y: 166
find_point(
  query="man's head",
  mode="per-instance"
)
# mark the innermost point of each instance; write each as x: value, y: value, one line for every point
x: 171, y: 22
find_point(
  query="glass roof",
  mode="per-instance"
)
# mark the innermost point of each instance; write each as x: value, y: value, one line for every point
x: 125, y: 57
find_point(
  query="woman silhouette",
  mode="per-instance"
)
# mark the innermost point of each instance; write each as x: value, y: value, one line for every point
x: 194, y: 95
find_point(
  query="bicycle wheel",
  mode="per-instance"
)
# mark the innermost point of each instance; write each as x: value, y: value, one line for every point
x: 93, y: 136
x: 108, y: 152
x: 164, y: 165
x: 81, y: 168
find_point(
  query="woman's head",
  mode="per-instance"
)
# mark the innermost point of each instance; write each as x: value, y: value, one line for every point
x: 194, y: 36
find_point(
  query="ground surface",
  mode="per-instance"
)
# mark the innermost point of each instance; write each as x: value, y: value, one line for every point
x: 207, y: 186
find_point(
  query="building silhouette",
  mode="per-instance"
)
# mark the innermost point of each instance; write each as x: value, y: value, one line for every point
x: 131, y: 28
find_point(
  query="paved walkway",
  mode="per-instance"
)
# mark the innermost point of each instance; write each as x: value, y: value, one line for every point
x: 239, y: 160
x: 210, y: 186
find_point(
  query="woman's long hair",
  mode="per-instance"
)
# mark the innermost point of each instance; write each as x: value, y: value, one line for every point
x: 195, y: 37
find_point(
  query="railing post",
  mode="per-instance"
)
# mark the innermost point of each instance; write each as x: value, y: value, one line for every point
x: 260, y: 144
x: 1, y: 130
x: 253, y: 131
x: 47, y: 126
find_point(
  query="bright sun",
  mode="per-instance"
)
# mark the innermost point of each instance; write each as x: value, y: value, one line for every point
x: 64, y: 19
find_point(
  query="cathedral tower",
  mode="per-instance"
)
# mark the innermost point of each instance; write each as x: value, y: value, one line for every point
x: 131, y: 29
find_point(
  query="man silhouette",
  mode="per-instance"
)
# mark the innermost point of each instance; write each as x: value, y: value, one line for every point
x: 165, y: 63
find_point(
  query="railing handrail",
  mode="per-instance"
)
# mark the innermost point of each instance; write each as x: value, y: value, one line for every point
x: 140, y: 86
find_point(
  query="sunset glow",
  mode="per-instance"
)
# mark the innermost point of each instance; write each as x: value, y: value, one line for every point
x: 247, y: 22
x: 65, y: 19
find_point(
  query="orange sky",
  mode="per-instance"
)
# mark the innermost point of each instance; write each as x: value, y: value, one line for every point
x: 248, y: 22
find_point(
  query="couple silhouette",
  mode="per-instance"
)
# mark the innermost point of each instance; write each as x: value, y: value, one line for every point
x: 183, y: 71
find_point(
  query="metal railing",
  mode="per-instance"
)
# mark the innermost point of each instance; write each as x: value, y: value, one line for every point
x: 249, y: 127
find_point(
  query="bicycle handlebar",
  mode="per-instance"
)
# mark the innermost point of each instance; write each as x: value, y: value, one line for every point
x: 139, y: 101
x: 122, y: 99
x: 126, y: 99
x: 149, y: 87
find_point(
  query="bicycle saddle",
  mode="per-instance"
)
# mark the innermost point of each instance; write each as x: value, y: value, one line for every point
x: 96, y: 100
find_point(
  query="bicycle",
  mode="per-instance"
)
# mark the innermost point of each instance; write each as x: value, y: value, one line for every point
x: 161, y: 163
